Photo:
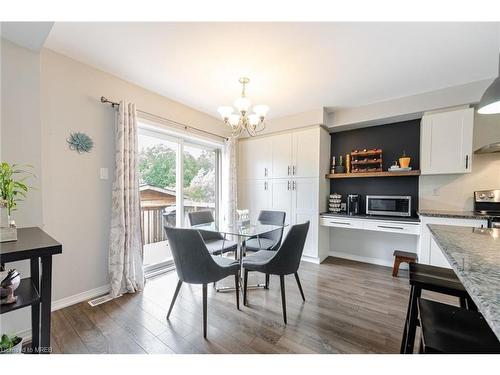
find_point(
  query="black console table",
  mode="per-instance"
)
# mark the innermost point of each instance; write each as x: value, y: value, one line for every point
x: 35, y: 291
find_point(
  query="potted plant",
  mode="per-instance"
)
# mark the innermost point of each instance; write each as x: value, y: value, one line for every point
x: 404, y: 161
x: 11, y: 344
x: 12, y: 190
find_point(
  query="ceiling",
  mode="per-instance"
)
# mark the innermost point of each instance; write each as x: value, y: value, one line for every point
x: 293, y: 67
x: 31, y: 35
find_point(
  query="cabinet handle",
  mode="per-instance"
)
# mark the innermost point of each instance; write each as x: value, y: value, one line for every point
x: 265, y: 172
x: 288, y: 185
x: 339, y: 222
x: 389, y: 227
x: 288, y: 171
x: 294, y: 185
x: 293, y: 170
x: 466, y: 161
x: 265, y: 185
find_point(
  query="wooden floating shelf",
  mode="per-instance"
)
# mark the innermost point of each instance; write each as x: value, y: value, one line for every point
x: 374, y: 174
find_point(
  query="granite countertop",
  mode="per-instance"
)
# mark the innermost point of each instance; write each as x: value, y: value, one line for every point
x: 474, y: 254
x: 453, y: 214
x: 412, y: 219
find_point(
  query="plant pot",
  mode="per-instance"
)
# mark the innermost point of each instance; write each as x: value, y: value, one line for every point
x: 404, y: 162
x: 16, y: 349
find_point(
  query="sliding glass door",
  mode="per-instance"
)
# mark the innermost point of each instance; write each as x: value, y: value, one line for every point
x: 177, y: 176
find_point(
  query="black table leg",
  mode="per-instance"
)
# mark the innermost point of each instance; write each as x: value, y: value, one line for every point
x: 46, y: 295
x: 35, y: 309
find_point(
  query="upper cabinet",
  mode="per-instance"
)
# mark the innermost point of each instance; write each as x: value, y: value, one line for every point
x: 446, y: 142
x: 282, y: 155
x: 255, y: 159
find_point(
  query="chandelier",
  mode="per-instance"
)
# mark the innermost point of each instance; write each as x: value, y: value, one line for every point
x: 243, y: 121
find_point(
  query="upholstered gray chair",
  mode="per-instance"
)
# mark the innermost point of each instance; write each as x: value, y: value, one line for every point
x: 270, y: 240
x: 215, y: 242
x: 284, y: 261
x: 194, y: 265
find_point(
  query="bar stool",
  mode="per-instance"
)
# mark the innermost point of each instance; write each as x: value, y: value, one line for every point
x: 453, y: 330
x: 435, y: 279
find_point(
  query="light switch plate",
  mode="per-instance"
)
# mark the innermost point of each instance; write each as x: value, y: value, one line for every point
x: 103, y: 173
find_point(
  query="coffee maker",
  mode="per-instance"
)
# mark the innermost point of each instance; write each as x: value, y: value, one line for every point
x: 353, y: 204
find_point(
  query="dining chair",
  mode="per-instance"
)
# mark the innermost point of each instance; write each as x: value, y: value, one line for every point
x: 270, y: 240
x: 284, y: 261
x: 195, y: 265
x: 216, y: 243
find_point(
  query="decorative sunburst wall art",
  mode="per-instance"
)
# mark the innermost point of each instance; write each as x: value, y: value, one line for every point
x: 80, y: 142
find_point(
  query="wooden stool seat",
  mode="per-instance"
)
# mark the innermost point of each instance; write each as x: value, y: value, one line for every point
x: 453, y: 330
x: 402, y: 257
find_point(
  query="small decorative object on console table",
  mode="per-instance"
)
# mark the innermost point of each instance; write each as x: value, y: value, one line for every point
x: 366, y: 161
x: 243, y: 217
x: 12, y: 190
x: 11, y: 344
x: 9, y: 282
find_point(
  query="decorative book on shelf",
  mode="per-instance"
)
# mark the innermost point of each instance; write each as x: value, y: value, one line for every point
x: 366, y: 161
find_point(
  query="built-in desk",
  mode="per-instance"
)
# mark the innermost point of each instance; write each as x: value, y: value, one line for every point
x: 410, y: 225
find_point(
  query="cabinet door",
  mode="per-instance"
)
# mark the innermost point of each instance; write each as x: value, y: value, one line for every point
x: 281, y: 155
x: 305, y: 207
x: 437, y: 256
x: 306, y: 153
x: 255, y: 159
x: 281, y: 191
x: 255, y: 195
x: 446, y: 142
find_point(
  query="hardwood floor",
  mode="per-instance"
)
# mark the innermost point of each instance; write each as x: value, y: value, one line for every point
x: 350, y: 307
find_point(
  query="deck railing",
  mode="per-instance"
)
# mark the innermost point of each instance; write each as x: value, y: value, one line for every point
x: 152, y: 224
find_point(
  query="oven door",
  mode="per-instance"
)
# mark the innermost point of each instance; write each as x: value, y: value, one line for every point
x: 387, y: 205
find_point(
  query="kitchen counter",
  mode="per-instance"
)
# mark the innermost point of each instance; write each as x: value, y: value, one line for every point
x: 474, y: 254
x: 412, y: 219
x: 453, y: 214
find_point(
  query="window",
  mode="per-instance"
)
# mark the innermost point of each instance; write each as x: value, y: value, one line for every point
x: 177, y: 175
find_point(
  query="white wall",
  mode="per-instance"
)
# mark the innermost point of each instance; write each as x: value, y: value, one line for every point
x: 455, y: 192
x: 76, y: 203
x: 20, y: 143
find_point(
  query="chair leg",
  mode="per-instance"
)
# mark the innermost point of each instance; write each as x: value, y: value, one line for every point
x: 300, y: 286
x: 237, y: 289
x: 178, y: 287
x: 412, y: 321
x: 395, y: 267
x: 267, y: 281
x: 205, y: 310
x: 405, y: 329
x: 245, y: 284
x: 283, y: 301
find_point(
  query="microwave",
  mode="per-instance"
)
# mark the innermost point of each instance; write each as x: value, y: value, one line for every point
x: 388, y: 205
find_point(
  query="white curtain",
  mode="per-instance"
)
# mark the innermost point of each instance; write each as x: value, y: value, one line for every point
x: 125, y: 243
x: 229, y: 181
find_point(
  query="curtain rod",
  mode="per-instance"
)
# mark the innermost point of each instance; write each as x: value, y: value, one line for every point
x: 183, y: 126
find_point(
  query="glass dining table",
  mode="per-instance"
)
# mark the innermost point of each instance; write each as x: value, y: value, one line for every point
x: 240, y: 231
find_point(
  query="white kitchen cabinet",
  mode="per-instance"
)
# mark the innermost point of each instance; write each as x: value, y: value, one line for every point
x: 255, y: 159
x: 255, y: 195
x: 295, y: 183
x: 429, y: 252
x: 305, y: 156
x: 446, y: 142
x: 281, y: 146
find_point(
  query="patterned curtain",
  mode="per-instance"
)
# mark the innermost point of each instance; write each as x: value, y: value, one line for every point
x: 125, y: 244
x: 229, y: 181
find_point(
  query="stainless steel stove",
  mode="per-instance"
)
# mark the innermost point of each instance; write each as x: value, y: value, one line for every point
x: 487, y: 203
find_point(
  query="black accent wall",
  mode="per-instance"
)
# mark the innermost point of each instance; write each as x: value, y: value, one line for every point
x: 393, y: 139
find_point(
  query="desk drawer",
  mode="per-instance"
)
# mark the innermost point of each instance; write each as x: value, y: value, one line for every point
x: 341, y: 222
x: 393, y: 227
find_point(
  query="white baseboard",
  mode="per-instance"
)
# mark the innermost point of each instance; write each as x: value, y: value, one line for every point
x: 359, y: 258
x: 77, y: 298
x: 310, y: 259
x: 68, y: 301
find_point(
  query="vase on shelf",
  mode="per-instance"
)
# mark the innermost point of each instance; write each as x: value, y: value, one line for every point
x: 8, y: 229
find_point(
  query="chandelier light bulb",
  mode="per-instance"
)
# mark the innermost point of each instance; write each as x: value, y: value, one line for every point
x: 253, y: 119
x: 225, y: 111
x: 242, y: 104
x: 261, y: 110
